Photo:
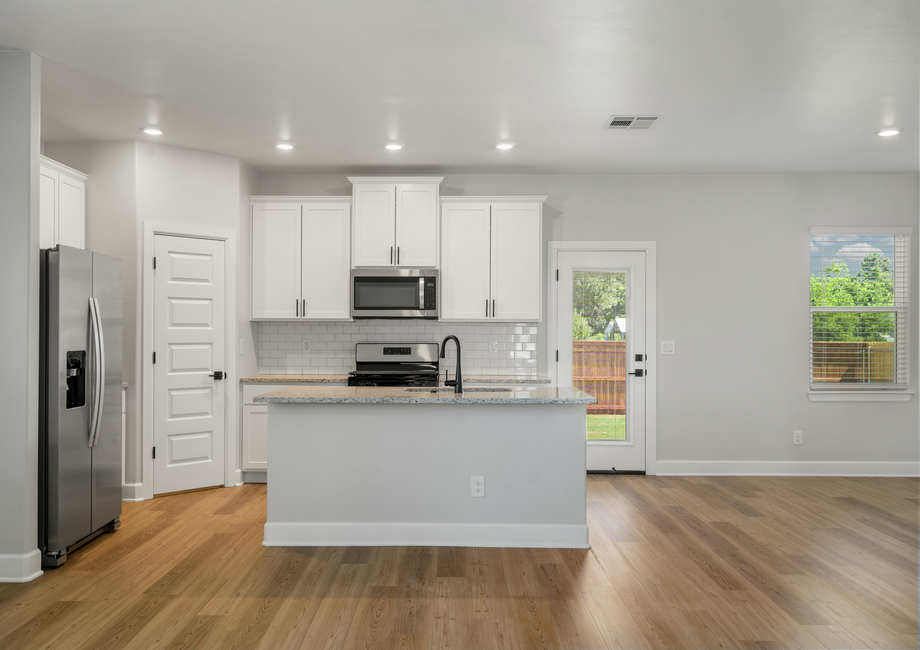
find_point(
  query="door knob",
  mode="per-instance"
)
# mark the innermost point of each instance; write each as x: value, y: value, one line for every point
x: 218, y: 375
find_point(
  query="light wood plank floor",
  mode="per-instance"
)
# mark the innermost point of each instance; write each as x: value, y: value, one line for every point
x: 676, y: 562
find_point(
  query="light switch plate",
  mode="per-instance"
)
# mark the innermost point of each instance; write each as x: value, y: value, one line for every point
x: 667, y: 348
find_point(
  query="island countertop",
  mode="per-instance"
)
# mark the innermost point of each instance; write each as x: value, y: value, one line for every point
x: 314, y: 394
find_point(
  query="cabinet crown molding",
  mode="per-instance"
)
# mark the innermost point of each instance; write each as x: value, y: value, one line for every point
x: 395, y: 179
x: 493, y: 199
x: 300, y: 199
x: 63, y: 169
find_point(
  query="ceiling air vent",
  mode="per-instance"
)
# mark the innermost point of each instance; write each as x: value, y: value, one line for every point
x: 631, y: 122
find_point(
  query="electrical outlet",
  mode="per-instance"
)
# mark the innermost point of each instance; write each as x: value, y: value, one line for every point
x: 797, y: 437
x: 667, y: 347
x: 242, y: 348
x: 306, y: 346
x: 493, y: 346
x: 477, y: 486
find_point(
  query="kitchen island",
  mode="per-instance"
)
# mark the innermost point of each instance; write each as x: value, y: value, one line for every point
x: 389, y: 466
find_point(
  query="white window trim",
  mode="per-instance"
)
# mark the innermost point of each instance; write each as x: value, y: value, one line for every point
x: 862, y: 395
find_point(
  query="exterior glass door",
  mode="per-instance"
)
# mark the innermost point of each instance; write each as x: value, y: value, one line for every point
x: 601, y: 325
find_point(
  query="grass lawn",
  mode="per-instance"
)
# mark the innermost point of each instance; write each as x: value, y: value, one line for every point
x: 606, y: 427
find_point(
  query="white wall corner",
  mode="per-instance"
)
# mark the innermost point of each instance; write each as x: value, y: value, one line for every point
x: 132, y: 492
x: 23, y: 567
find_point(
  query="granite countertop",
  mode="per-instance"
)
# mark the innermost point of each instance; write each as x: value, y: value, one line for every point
x: 378, y: 395
x: 341, y: 379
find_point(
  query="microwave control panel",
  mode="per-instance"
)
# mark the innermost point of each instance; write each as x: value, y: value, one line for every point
x: 431, y: 293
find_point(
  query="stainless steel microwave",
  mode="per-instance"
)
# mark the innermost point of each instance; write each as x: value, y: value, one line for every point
x: 394, y: 293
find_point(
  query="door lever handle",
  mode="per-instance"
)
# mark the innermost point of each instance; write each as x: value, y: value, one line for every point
x: 218, y: 375
x: 639, y: 373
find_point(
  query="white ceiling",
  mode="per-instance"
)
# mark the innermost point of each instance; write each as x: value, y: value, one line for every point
x: 742, y: 86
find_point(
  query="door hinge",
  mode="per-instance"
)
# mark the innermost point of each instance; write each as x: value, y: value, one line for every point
x: 557, y: 275
x: 154, y: 357
x: 154, y: 452
x: 154, y: 264
x: 557, y: 355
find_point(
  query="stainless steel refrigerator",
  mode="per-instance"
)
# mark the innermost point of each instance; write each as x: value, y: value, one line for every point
x: 80, y: 441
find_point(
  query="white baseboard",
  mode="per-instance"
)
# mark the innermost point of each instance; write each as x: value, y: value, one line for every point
x: 255, y: 476
x: 132, y: 492
x: 404, y: 534
x: 23, y: 567
x: 786, y: 468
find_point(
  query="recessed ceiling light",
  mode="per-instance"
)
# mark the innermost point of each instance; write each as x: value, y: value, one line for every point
x: 152, y: 131
x: 504, y: 145
x: 394, y: 147
x: 285, y: 146
x: 889, y: 131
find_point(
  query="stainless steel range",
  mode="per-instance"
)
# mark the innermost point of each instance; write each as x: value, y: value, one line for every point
x: 395, y: 364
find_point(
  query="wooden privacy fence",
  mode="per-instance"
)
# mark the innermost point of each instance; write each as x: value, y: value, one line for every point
x: 599, y: 369
x: 853, y: 362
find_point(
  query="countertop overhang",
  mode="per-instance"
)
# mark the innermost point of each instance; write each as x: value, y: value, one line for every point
x: 341, y: 379
x: 313, y: 394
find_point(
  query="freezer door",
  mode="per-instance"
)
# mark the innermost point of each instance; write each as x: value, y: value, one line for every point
x: 107, y: 452
x: 67, y: 457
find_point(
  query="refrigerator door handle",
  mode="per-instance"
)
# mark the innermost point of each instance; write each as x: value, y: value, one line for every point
x: 98, y: 371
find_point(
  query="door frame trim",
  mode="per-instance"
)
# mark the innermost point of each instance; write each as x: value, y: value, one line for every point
x: 650, y: 248
x: 232, y: 473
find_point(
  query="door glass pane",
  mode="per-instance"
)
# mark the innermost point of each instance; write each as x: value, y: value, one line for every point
x: 599, y: 330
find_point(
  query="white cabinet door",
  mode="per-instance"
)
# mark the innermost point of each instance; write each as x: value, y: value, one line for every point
x: 47, y: 207
x: 61, y: 205
x: 465, y: 260
x: 71, y: 203
x: 416, y: 225
x: 326, y: 261
x: 375, y: 233
x: 516, y: 261
x: 276, y: 273
x: 255, y: 438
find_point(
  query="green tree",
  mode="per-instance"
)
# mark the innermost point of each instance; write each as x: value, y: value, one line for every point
x: 581, y: 330
x: 599, y: 297
x: 872, y: 286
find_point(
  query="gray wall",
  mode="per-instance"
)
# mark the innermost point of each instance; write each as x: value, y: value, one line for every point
x: 133, y: 182
x: 733, y: 294
x: 20, y: 81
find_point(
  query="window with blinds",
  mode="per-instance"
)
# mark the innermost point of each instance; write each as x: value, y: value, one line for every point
x: 859, y: 308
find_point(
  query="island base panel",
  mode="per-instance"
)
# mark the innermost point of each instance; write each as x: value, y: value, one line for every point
x: 399, y: 474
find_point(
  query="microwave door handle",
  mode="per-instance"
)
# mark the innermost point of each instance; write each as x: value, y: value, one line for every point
x: 421, y: 294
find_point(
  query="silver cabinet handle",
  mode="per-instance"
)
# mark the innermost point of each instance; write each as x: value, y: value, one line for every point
x: 493, y: 307
x: 304, y: 310
x: 397, y: 256
x: 391, y: 254
x: 297, y: 308
x: 487, y: 307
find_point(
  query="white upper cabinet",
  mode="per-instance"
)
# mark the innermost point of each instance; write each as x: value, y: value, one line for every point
x: 276, y: 243
x: 325, y: 264
x: 300, y: 258
x: 395, y: 221
x: 61, y: 205
x: 491, y: 254
x: 465, y: 261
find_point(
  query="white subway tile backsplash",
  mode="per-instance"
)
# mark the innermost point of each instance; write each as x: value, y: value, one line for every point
x: 332, y: 345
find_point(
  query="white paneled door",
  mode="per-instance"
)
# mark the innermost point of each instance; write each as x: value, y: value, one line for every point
x: 189, y: 394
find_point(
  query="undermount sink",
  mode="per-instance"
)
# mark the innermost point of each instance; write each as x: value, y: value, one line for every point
x: 441, y: 389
